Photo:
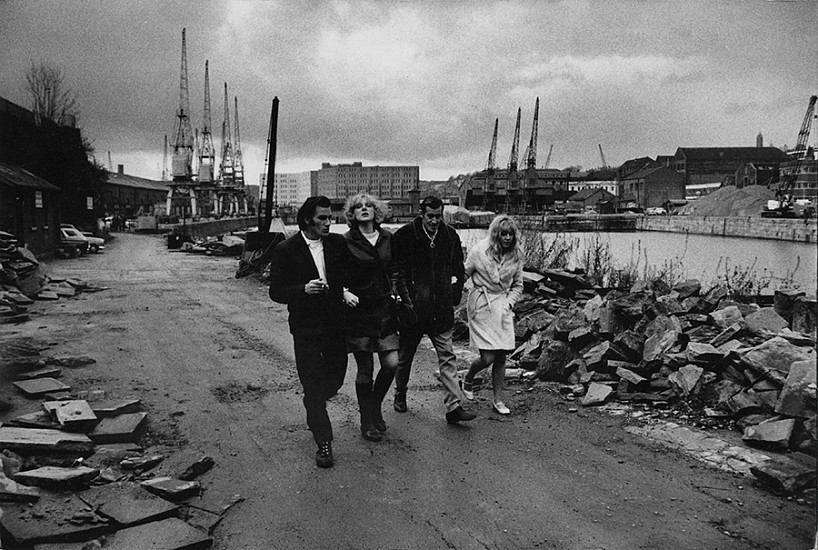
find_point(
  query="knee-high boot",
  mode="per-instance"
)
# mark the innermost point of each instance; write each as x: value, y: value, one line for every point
x: 382, y: 384
x: 365, y: 399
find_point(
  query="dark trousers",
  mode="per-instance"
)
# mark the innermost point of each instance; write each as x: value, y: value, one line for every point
x: 321, y: 361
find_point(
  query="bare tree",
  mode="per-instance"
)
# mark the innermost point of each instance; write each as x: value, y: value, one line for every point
x: 49, y: 96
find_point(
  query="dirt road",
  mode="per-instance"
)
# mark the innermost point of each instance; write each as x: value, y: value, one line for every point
x: 211, y: 358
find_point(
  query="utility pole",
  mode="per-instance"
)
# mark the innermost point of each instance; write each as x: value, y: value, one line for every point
x: 271, y: 167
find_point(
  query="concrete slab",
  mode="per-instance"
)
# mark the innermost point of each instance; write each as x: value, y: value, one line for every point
x: 40, y: 386
x: 45, y: 372
x: 118, y: 429
x: 27, y: 440
x: 74, y: 415
x: 172, y: 489
x: 128, y: 504
x: 54, y: 477
x: 11, y: 491
x: 39, y: 419
x: 52, y: 519
x: 169, y: 534
x: 113, y: 407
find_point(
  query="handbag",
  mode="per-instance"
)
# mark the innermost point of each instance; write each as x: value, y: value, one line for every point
x: 403, y: 312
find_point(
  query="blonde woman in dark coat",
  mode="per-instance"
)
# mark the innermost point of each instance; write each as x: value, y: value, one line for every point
x: 371, y: 327
x: 495, y: 266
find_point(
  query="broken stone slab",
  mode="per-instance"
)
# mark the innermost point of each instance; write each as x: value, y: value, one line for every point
x: 40, y: 386
x: 581, y: 337
x: 727, y: 334
x: 141, y: 463
x: 659, y: 344
x: 46, y: 372
x: 795, y: 338
x: 554, y: 360
x: 726, y: 316
x: 784, y: 476
x: 730, y: 346
x: 631, y: 344
x: 61, y: 290
x: 168, y: 534
x: 703, y: 354
x: 114, y: 407
x: 771, y: 433
x: 591, y: 309
x: 776, y: 354
x: 49, y: 520
x: 745, y: 402
x: 127, y: 503
x: 197, y: 468
x: 798, y: 398
x: 11, y: 491
x: 118, y: 429
x: 71, y: 362
x: 73, y: 415
x: 54, y: 477
x: 112, y: 454
x: 531, y: 280
x: 28, y: 440
x: 686, y: 378
x: 687, y: 288
x: 596, y: 394
x: 172, y: 489
x: 46, y: 295
x: 627, y: 374
x: 38, y: 419
x: 765, y: 320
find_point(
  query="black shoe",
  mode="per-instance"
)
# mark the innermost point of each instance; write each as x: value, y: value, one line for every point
x: 323, y: 456
x: 459, y: 415
x: 400, y: 402
x: 370, y: 433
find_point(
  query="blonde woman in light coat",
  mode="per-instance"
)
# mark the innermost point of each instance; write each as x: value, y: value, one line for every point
x: 495, y: 267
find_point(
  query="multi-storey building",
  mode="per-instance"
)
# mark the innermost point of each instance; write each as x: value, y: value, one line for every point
x: 339, y: 181
x: 289, y: 189
x: 714, y: 164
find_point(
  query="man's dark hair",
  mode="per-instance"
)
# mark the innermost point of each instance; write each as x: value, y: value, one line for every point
x: 430, y: 202
x: 307, y: 210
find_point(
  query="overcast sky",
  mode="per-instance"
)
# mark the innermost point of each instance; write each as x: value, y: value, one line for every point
x: 421, y: 82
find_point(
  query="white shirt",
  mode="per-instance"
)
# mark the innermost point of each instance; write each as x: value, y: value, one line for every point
x: 317, y: 250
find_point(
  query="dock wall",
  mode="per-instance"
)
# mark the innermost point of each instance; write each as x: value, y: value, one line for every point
x: 210, y: 228
x: 797, y: 230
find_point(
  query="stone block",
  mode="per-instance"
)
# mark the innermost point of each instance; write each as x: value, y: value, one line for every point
x: 729, y: 333
x: 771, y: 433
x: 40, y: 386
x: 39, y: 419
x: 805, y: 315
x: 784, y: 300
x: 54, y: 477
x: 45, y: 372
x: 118, y: 429
x: 629, y: 375
x: 659, y: 344
x: 703, y: 354
x: 631, y: 344
x: 591, y: 309
x: 73, y: 415
x: 11, y: 491
x: 765, y: 320
x: 784, y: 476
x: 798, y: 398
x: 776, y: 354
x: 172, y: 489
x: 596, y: 394
x: 581, y: 337
x: 128, y: 504
x: 33, y: 440
x: 726, y: 316
x: 71, y: 361
x: 114, y: 407
x: 687, y: 288
x: 197, y: 468
x: 554, y: 358
x: 745, y: 402
x: 168, y: 534
x: 686, y: 378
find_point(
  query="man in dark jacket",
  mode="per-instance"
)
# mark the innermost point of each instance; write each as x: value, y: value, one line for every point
x: 429, y: 254
x: 306, y: 274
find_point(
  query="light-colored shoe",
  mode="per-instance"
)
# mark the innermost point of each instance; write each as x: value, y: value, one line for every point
x: 500, y: 408
x: 466, y: 387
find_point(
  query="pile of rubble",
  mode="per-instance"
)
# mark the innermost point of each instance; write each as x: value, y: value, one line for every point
x: 73, y: 469
x: 724, y: 363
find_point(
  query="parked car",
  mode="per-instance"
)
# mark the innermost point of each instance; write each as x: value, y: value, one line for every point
x: 72, y: 239
x: 95, y: 244
x: 655, y: 211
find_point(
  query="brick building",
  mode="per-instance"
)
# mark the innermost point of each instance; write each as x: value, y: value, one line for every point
x: 128, y: 196
x: 713, y: 164
x: 339, y: 181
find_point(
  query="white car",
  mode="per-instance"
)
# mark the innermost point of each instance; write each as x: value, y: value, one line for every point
x: 655, y: 211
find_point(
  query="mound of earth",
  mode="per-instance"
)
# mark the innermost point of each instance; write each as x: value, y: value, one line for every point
x: 731, y: 202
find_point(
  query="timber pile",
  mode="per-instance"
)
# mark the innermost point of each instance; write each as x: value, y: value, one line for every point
x: 721, y: 362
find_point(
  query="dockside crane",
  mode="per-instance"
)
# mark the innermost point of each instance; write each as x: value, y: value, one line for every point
x: 165, y: 160
x: 530, y: 180
x: 182, y: 158
x: 782, y: 205
x: 207, y: 153
x: 548, y: 158
x: 512, y: 183
x: 602, y: 156
x: 226, y: 166
x: 238, y: 162
x: 489, y: 186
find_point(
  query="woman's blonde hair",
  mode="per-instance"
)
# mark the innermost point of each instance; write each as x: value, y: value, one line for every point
x: 381, y: 210
x: 500, y: 223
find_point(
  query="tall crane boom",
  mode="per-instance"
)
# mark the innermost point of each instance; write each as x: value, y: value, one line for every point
x: 531, y: 151
x: 493, y: 151
x: 207, y: 153
x: 799, y: 152
x: 548, y: 158
x: 602, y: 156
x: 515, y: 145
x: 181, y: 163
x: 488, y: 184
x: 226, y: 171
x: 238, y: 163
